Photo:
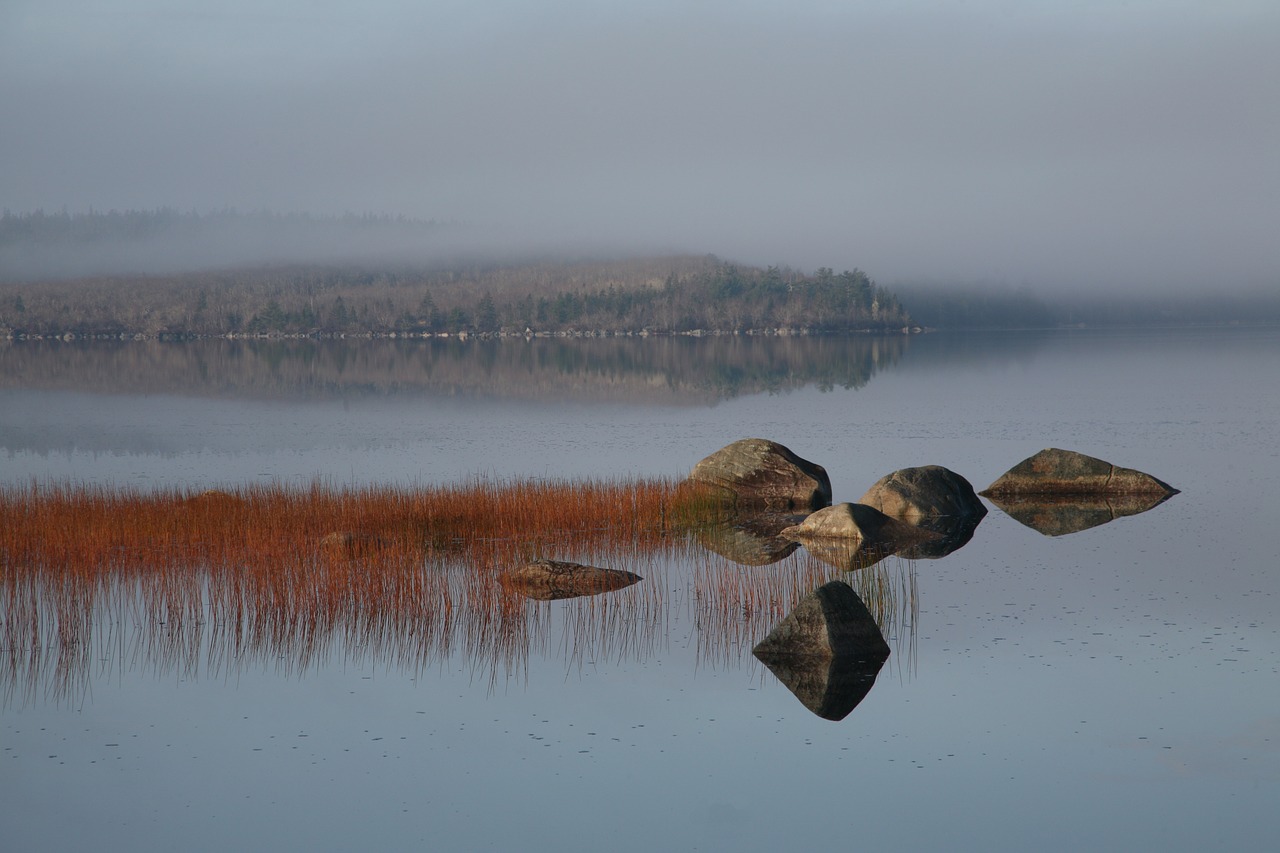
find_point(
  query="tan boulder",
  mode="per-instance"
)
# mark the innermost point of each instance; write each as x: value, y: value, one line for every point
x: 760, y: 472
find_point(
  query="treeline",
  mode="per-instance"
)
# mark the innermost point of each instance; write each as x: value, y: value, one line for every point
x: 657, y: 295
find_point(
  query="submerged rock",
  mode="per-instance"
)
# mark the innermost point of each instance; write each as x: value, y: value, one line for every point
x: 345, y: 543
x: 1065, y: 472
x: 827, y: 650
x: 759, y: 472
x: 551, y: 580
x: 917, y: 495
x: 215, y: 498
x: 1058, y: 515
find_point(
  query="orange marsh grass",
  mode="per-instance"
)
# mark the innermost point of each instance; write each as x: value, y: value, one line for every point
x: 397, y: 574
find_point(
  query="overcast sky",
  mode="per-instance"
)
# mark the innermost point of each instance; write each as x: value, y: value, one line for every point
x: 1080, y: 144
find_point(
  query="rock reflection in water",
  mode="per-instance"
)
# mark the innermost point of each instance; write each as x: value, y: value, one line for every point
x: 953, y: 534
x: 1058, y: 515
x: 827, y: 651
x: 750, y: 539
x: 852, y: 536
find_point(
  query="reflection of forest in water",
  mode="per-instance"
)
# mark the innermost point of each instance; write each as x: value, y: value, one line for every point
x: 665, y: 369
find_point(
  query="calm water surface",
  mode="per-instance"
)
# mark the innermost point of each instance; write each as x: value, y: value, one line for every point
x: 1114, y: 688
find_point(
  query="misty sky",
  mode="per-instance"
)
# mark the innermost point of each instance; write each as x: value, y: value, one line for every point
x: 1081, y: 144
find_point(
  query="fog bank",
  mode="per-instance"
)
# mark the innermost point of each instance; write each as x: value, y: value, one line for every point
x: 1086, y: 146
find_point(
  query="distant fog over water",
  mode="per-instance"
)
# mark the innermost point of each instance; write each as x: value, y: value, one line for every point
x: 1069, y: 147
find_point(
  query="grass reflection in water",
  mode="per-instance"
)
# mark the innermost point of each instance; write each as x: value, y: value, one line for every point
x: 96, y: 580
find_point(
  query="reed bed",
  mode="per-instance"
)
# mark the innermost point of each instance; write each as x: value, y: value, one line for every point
x: 288, y: 577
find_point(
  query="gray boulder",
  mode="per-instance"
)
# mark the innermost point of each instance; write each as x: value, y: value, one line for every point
x: 933, y: 498
x: 1065, y: 472
x: 918, y: 495
x: 759, y: 472
x: 551, y: 580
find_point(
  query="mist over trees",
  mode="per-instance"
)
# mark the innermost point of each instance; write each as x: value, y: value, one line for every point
x: 372, y: 274
x: 450, y: 294
x: 39, y: 245
x: 987, y: 306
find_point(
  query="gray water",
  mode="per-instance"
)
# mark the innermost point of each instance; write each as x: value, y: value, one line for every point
x: 1113, y: 688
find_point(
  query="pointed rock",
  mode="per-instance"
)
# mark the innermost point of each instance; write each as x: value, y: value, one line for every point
x: 830, y: 621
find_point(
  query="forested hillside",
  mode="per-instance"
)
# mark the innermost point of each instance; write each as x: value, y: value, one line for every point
x: 658, y: 295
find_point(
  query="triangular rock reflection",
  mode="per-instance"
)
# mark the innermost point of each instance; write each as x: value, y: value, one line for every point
x: 827, y: 651
x: 1058, y: 515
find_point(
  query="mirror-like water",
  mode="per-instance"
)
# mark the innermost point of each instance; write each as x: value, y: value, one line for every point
x: 1110, y: 686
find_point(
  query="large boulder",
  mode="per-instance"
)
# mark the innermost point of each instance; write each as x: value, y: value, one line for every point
x: 1065, y: 472
x: 827, y: 650
x: 919, y: 495
x: 933, y: 498
x: 551, y: 580
x: 759, y: 472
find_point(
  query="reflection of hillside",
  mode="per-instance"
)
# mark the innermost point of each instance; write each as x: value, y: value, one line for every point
x: 665, y: 369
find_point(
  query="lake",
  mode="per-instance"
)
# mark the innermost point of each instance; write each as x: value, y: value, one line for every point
x: 1111, y: 688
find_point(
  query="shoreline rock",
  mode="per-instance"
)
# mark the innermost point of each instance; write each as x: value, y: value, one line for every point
x: 1065, y: 472
x: 760, y: 472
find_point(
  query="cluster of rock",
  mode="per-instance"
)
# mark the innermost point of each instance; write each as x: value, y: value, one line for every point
x: 923, y: 512
x: 829, y: 649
